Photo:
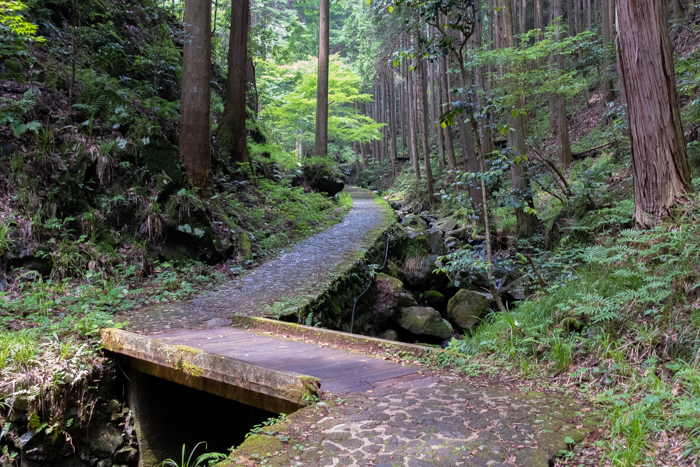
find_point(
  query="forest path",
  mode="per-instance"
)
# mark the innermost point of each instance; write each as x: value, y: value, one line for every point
x: 441, y: 420
x: 298, y: 276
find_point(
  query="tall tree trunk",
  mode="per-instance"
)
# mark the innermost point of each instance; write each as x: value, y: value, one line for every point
x: 539, y: 15
x: 559, y: 100
x: 590, y: 12
x: 607, y: 43
x: 659, y: 159
x: 449, y: 143
x: 425, y: 120
x: 232, y: 133
x: 392, y: 120
x: 484, y: 134
x: 677, y: 9
x: 195, y: 137
x: 412, y: 130
x: 322, y: 87
x: 526, y: 223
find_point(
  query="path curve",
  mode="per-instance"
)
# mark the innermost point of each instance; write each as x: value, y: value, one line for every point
x: 301, y: 274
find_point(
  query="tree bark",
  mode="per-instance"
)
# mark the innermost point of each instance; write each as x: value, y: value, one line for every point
x: 523, y: 16
x: 526, y: 223
x: 449, y: 143
x: 232, y: 134
x: 322, y: 87
x: 659, y: 158
x: 677, y: 9
x: 195, y: 138
x: 413, y: 149
x: 590, y: 12
x: 424, y: 110
x: 607, y: 82
x: 559, y: 100
x: 392, y: 120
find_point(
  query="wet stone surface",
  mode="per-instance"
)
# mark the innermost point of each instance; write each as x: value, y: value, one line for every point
x: 296, y: 277
x: 436, y: 421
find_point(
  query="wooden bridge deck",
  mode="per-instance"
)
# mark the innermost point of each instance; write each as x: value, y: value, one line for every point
x: 340, y: 372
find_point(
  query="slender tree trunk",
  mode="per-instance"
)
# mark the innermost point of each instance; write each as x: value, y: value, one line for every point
x: 523, y: 16
x: 539, y: 15
x: 449, y: 143
x: 438, y: 113
x: 392, y: 120
x: 526, y: 223
x: 195, y: 138
x: 659, y: 158
x: 322, y: 87
x: 589, y: 11
x: 559, y: 104
x: 678, y: 11
x: 232, y: 133
x: 412, y: 125
x: 425, y: 120
x: 607, y: 43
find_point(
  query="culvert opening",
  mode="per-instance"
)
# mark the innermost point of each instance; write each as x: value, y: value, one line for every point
x: 171, y: 415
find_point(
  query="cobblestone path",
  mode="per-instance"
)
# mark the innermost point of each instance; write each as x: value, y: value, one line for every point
x: 438, y: 421
x: 301, y: 274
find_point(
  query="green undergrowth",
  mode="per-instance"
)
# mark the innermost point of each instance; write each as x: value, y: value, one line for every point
x: 278, y: 214
x: 620, y: 317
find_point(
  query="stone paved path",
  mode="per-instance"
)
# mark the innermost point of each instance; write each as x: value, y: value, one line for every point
x: 441, y: 420
x: 300, y: 274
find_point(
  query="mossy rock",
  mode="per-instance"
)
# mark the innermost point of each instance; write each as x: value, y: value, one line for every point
x: 434, y: 299
x: 467, y: 306
x: 160, y: 156
x: 410, y: 242
x: 322, y: 178
x: 394, y: 271
x: 424, y: 321
x: 245, y: 247
x: 259, y: 446
x: 406, y: 300
x: 388, y: 291
x: 390, y: 335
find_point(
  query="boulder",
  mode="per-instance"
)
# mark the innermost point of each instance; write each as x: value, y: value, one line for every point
x: 390, y: 335
x: 452, y: 243
x: 414, y: 222
x: 424, y: 321
x: 429, y: 218
x: 322, y: 178
x: 418, y: 270
x: 434, y: 299
x: 105, y: 439
x: 389, y: 289
x: 467, y: 306
x: 406, y: 300
x: 245, y: 248
x: 446, y: 225
x: 411, y: 242
x: 393, y: 270
x: 462, y: 234
x: 436, y: 245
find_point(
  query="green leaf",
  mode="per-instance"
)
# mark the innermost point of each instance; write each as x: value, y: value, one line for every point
x: 569, y: 440
x: 396, y: 63
x: 391, y: 9
x: 443, y: 125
